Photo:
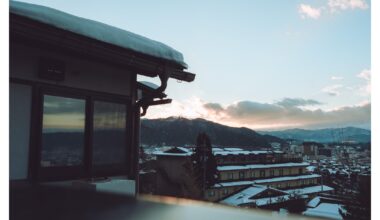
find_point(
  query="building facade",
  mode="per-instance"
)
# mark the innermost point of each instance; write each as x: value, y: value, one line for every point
x: 75, y: 102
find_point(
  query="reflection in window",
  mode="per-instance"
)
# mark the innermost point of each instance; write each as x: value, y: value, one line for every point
x: 109, y: 137
x: 62, y: 131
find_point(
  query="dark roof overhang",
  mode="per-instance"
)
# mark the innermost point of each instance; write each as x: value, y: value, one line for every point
x: 31, y: 32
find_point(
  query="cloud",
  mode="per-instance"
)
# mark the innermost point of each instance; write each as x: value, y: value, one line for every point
x: 336, y: 5
x: 60, y: 105
x: 365, y: 89
x: 333, y: 90
x: 336, y: 78
x: 332, y: 6
x: 287, y: 113
x: 307, y: 11
x: 252, y: 114
x: 213, y: 106
x: 365, y: 74
x: 297, y: 102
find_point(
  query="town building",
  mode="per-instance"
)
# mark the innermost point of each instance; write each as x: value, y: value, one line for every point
x: 242, y: 172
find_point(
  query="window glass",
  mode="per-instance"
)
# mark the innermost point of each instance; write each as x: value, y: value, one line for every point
x: 62, y: 131
x: 241, y: 174
x: 109, y: 134
x: 262, y: 173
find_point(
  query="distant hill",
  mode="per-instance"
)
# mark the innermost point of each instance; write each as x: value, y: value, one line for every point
x: 175, y: 131
x: 324, y: 135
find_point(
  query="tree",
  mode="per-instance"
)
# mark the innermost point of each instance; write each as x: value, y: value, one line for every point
x: 204, y: 163
x: 360, y: 207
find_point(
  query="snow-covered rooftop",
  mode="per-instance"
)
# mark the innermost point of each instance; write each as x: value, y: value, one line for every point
x: 178, y: 151
x: 261, y: 166
x: 325, y: 210
x: 245, y: 197
x: 311, y: 189
x: 237, y: 151
x: 97, y: 30
x: 263, y: 181
x: 314, y: 202
x: 311, y: 168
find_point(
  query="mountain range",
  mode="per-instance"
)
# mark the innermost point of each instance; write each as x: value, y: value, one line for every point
x: 174, y: 131
x: 177, y: 131
x: 327, y: 135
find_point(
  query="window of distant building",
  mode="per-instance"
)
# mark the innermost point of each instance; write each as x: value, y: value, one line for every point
x: 253, y: 174
x: 241, y: 175
x: 225, y: 191
x: 262, y: 173
x: 300, y: 170
x: 211, y: 193
x: 82, y: 135
x: 281, y: 171
x: 230, y: 176
x: 271, y: 172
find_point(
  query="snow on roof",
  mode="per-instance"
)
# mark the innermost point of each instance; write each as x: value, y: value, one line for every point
x: 160, y: 153
x: 273, y: 200
x: 311, y: 168
x: 233, y: 149
x: 245, y: 197
x: 229, y: 184
x: 314, y: 202
x: 181, y: 152
x: 325, y: 210
x: 97, y: 30
x: 237, y: 151
x: 311, y: 189
x: 261, y: 166
x: 262, y: 181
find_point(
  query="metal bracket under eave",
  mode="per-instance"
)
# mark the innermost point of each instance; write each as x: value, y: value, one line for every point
x: 144, y: 104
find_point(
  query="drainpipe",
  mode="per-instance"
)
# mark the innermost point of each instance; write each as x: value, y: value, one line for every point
x: 143, y: 104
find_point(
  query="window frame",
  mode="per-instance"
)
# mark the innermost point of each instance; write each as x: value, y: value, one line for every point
x: 85, y: 171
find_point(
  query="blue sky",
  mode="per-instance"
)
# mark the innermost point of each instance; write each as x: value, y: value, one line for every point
x: 251, y: 55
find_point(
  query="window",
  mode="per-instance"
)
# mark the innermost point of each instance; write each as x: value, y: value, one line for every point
x: 241, y: 175
x: 225, y: 191
x: 281, y: 172
x: 63, y: 126
x: 109, y: 139
x: 211, y: 193
x: 300, y: 171
x: 271, y: 172
x: 82, y: 136
x: 262, y: 173
x: 230, y: 176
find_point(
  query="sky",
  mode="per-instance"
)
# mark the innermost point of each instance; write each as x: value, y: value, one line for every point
x: 259, y: 64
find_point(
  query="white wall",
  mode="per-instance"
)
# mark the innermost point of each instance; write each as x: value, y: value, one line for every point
x: 19, y: 120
